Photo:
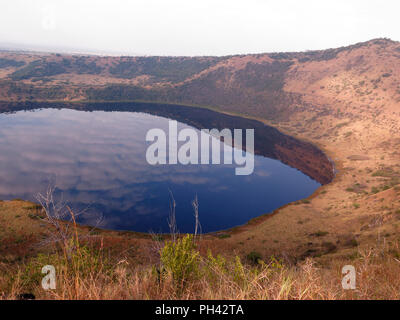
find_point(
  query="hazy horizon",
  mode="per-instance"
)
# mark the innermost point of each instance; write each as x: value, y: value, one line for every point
x: 85, y: 51
x: 192, y: 28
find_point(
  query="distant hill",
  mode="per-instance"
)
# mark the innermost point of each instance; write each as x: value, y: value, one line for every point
x: 271, y: 85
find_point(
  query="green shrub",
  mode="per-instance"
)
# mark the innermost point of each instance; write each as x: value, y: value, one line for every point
x: 383, y: 172
x: 214, y: 267
x: 353, y: 243
x: 275, y: 263
x: 320, y: 233
x: 83, y: 262
x: 330, y: 247
x: 31, y: 274
x: 158, y: 237
x: 374, y: 190
x: 254, y: 257
x: 239, y: 274
x: 181, y: 259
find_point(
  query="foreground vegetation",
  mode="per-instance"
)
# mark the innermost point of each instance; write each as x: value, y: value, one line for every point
x: 86, y: 270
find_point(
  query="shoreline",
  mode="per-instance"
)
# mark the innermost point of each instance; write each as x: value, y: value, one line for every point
x: 232, y: 230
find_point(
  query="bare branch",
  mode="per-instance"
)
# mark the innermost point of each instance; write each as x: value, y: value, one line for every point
x: 172, y: 218
x: 195, y: 204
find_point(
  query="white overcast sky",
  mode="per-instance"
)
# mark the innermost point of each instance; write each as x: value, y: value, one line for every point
x: 195, y: 27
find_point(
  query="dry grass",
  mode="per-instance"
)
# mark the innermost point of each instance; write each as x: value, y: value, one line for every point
x: 90, y: 273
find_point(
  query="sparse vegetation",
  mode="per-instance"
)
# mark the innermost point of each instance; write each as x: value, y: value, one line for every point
x: 254, y: 257
x: 38, y: 69
x: 320, y: 233
x: 161, y: 68
x: 5, y: 63
x: 88, y: 274
x: 224, y: 236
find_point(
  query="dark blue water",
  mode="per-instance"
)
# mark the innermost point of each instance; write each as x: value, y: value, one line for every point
x: 97, y: 162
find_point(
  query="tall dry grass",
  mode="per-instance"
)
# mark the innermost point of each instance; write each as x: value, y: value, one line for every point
x: 91, y: 276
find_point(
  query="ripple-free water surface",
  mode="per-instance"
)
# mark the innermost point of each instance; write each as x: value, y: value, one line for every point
x: 97, y: 162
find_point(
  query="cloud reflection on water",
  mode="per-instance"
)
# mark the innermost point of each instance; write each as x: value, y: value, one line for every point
x: 97, y: 159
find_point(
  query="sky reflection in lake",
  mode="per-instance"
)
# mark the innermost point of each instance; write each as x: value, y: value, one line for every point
x: 97, y: 161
